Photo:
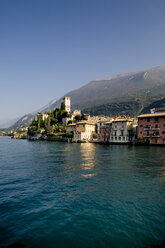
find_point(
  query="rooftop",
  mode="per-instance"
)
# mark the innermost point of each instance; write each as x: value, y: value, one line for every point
x: 85, y: 122
x: 122, y: 120
x: 72, y: 124
x: 152, y: 115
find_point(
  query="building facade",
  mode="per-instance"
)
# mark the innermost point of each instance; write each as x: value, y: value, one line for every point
x: 84, y: 131
x: 71, y: 128
x: 44, y: 116
x: 120, y: 131
x: 106, y: 132
x: 151, y: 128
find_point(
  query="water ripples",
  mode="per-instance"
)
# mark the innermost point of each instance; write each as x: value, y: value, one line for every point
x: 81, y: 195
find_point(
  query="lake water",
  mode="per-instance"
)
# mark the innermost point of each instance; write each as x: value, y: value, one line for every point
x: 81, y: 195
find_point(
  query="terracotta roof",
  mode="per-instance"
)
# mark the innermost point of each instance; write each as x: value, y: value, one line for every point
x: 152, y: 115
x: 108, y: 122
x: 120, y: 120
x: 85, y: 122
x: 72, y: 124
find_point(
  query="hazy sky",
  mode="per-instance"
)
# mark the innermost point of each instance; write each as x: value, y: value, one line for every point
x: 49, y: 47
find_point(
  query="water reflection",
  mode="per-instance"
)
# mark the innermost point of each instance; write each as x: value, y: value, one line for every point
x: 87, y: 159
x: 88, y: 175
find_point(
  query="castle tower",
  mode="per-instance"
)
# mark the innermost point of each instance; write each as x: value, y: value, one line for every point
x: 67, y: 103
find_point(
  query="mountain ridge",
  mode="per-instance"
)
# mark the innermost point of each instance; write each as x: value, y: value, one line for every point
x: 141, y: 88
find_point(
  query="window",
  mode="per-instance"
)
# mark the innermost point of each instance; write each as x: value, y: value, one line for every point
x: 148, y: 119
x: 140, y: 132
x: 115, y: 133
x: 119, y: 138
x: 156, y: 118
x: 122, y: 132
x: 141, y: 125
x: 148, y: 133
x: 163, y: 132
x: 156, y: 126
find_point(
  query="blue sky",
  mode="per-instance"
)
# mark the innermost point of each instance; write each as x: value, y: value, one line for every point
x: 49, y: 47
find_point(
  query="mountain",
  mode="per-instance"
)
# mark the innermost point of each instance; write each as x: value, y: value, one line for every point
x: 27, y: 119
x: 46, y: 108
x: 127, y: 93
x: 8, y: 123
x: 129, y: 108
x: 23, y: 121
x: 156, y: 104
x: 145, y: 86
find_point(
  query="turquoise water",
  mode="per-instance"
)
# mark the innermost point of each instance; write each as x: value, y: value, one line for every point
x: 81, y: 195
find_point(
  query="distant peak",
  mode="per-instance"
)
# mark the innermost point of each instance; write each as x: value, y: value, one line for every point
x: 162, y: 67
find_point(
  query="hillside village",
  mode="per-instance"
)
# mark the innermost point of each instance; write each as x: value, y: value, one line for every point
x: 62, y: 124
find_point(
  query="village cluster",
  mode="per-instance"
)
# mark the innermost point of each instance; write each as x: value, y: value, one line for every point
x: 146, y: 128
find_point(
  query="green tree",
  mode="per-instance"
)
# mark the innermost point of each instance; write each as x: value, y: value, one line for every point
x: 39, y: 120
x: 95, y: 136
x: 83, y: 117
x: 62, y: 106
x: 70, y: 121
x: 34, y: 123
x: 77, y: 117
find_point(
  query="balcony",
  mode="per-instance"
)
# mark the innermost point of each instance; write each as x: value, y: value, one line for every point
x: 147, y: 128
x: 152, y: 136
x: 155, y: 128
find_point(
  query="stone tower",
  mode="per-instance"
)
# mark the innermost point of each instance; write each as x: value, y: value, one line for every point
x: 67, y: 103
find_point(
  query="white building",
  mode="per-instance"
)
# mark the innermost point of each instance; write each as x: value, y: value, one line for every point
x: 44, y: 116
x: 121, y: 130
x: 84, y: 131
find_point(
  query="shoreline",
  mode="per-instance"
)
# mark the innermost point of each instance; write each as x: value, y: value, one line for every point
x: 69, y: 140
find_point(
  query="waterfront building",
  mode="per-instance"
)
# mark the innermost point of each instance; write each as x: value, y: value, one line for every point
x: 106, y: 132
x: 71, y: 128
x: 102, y: 121
x: 120, y: 129
x: 151, y: 128
x: 132, y: 131
x: 84, y: 131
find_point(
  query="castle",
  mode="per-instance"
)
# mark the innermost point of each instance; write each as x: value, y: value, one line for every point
x: 67, y: 102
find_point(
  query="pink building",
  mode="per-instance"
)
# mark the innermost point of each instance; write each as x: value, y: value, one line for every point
x: 106, y: 132
x: 151, y: 128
